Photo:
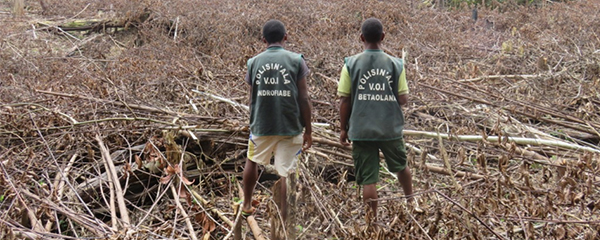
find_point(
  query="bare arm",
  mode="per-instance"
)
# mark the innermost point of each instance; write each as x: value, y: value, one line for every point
x: 403, y: 99
x: 345, y: 108
x: 306, y: 112
x: 248, y: 81
x: 250, y: 96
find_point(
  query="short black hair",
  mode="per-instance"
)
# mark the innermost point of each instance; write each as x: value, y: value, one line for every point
x: 372, y: 30
x: 273, y: 31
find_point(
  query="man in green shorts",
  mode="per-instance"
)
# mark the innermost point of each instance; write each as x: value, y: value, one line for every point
x: 279, y: 110
x: 372, y: 88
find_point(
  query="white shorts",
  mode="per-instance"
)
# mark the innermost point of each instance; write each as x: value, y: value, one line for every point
x: 285, y: 148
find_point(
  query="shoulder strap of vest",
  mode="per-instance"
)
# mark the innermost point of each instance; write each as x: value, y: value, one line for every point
x: 349, y: 61
x: 399, y: 64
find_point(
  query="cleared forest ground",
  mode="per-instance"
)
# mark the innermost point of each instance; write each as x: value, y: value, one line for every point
x: 502, y: 124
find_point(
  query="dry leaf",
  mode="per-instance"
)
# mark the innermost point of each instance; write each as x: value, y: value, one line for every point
x: 161, y: 163
x: 207, y: 223
x: 571, y: 181
x: 578, y: 197
x: 185, y: 181
x: 126, y: 171
x: 183, y: 193
x: 560, y: 232
x: 166, y: 179
x: 127, y: 168
x: 255, y: 203
x: 138, y: 161
x: 170, y: 170
x: 590, y: 235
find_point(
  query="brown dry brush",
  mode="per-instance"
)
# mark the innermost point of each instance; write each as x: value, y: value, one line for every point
x: 518, y: 71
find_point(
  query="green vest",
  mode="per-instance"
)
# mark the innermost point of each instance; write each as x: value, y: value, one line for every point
x: 274, y: 109
x: 376, y: 114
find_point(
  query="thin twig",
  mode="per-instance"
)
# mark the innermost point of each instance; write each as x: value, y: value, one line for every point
x: 522, y: 223
x: 238, y: 218
x: 199, y: 199
x: 525, y: 76
x: 97, y: 228
x: 223, y: 99
x: 420, y: 227
x: 60, y: 171
x: 35, y: 222
x: 59, y: 184
x: 469, y: 212
x: 111, y: 199
x: 183, y: 213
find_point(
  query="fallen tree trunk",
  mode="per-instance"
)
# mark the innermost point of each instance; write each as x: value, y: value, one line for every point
x: 518, y: 140
x: 97, y: 25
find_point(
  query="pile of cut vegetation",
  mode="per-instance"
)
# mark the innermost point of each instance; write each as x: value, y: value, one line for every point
x: 128, y: 120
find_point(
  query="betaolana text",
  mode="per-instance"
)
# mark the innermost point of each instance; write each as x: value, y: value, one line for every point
x: 376, y: 97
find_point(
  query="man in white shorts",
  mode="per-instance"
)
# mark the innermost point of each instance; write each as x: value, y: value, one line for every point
x: 280, y: 109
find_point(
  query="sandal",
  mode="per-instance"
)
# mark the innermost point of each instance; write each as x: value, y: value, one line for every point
x: 249, y: 212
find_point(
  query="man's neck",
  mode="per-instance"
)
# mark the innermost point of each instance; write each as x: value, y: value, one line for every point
x: 372, y: 46
x: 277, y: 44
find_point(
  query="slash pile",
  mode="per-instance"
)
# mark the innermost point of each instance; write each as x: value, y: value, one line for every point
x: 128, y: 120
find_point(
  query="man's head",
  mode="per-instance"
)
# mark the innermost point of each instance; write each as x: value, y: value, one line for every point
x: 372, y: 30
x: 274, y: 31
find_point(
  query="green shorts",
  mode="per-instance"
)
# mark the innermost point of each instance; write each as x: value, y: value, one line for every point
x: 366, y: 159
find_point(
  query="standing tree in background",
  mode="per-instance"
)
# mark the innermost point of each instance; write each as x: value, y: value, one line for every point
x: 18, y: 8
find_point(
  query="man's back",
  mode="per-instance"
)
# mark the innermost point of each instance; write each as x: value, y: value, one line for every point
x: 376, y: 114
x: 274, y: 75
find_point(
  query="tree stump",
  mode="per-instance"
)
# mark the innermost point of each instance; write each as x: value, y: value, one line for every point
x: 279, y: 229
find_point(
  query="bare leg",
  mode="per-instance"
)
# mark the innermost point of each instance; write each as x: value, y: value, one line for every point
x: 249, y: 180
x: 405, y: 178
x: 370, y: 193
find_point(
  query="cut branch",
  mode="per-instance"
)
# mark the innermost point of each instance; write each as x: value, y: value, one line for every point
x: 116, y: 183
x: 517, y: 140
x: 571, y: 125
x: 183, y: 213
